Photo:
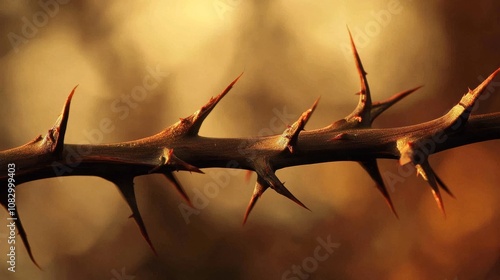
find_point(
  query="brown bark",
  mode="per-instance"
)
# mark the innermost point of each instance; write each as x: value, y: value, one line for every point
x: 180, y: 148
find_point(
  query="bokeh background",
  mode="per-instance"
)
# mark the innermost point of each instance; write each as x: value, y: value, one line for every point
x: 291, y: 52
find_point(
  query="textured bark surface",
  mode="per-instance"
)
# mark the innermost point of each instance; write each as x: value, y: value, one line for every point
x: 180, y: 148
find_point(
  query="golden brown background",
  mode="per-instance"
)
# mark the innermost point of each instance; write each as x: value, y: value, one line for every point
x: 291, y: 53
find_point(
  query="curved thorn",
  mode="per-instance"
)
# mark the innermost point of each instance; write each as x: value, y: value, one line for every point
x: 259, y: 189
x: 468, y: 101
x: 443, y: 186
x: 126, y: 187
x: 24, y: 237
x: 371, y: 167
x: 379, y: 107
x: 359, y: 65
x: 199, y: 116
x: 58, y: 131
x: 170, y: 176
x: 365, y: 103
x: 179, y: 162
x: 426, y: 172
x: 307, y: 114
x: 280, y: 188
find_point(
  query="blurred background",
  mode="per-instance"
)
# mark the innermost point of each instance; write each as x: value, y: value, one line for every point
x: 140, y: 66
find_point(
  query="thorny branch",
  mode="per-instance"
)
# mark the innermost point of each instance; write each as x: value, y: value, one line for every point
x: 180, y: 148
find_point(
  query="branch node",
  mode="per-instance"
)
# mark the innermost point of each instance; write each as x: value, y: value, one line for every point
x: 266, y: 178
x: 291, y: 134
x: 170, y: 161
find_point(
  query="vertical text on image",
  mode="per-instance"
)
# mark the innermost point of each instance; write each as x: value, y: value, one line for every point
x: 11, y: 220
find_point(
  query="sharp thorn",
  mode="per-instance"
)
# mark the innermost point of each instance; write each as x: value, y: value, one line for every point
x: 480, y: 89
x: 58, y: 131
x: 427, y: 173
x: 464, y: 107
x: 173, y: 159
x: 380, y: 107
x: 126, y: 187
x: 24, y: 238
x: 278, y: 186
x: 359, y: 64
x: 439, y: 200
x: 443, y: 186
x: 267, y: 178
x: 257, y: 193
x: 189, y: 167
x: 291, y: 134
x: 199, y: 116
x: 371, y: 167
x: 169, y: 159
x: 178, y: 187
x: 363, y: 109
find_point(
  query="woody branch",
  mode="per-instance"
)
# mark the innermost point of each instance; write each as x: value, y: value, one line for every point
x: 180, y: 148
